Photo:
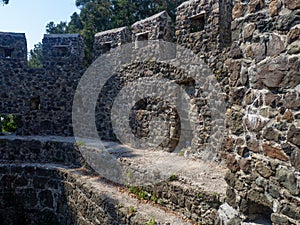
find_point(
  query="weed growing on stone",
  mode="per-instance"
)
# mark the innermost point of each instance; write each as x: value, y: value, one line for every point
x: 161, y: 202
x: 132, y: 209
x: 139, y: 192
x: 151, y: 222
x: 173, y: 177
x: 80, y: 143
x: 154, y: 197
x: 199, y: 195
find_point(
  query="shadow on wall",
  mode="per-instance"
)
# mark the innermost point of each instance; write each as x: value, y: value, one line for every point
x: 41, y: 196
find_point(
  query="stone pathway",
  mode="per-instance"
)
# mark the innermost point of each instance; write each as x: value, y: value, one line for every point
x: 154, y: 165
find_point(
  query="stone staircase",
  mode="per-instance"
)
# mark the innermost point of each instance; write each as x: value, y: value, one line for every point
x: 176, y: 190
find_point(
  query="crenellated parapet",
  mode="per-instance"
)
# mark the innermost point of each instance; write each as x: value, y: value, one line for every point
x: 13, y: 48
x: 204, y: 25
x: 63, y: 50
x: 106, y: 40
x: 156, y: 27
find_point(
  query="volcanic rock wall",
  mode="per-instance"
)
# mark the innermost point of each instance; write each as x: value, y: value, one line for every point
x: 263, y: 112
x: 253, y: 52
x: 41, y: 98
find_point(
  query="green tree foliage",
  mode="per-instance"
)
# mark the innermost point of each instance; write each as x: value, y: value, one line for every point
x: 75, y: 25
x: 100, y: 15
x: 60, y: 28
x: 35, y: 56
x: 5, y: 1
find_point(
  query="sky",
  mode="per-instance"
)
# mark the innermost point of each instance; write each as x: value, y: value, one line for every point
x: 32, y: 16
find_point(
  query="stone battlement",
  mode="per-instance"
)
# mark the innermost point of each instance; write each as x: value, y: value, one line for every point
x: 252, y: 49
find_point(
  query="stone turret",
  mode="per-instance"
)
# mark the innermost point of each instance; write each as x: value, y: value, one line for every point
x: 63, y: 50
x: 13, y: 48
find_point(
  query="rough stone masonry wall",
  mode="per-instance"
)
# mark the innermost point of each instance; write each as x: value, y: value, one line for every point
x: 13, y: 47
x: 145, y: 108
x: 204, y: 26
x: 156, y: 27
x: 106, y: 40
x: 32, y: 195
x: 42, y: 98
x: 263, y: 114
x: 39, y: 150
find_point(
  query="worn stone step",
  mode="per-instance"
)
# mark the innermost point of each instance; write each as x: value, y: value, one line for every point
x: 74, y: 196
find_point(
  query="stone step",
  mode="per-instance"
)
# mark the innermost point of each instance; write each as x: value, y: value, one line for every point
x: 76, y: 195
x: 193, y: 188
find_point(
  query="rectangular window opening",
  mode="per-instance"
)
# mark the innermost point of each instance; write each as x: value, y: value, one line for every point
x: 35, y: 103
x: 142, y: 40
x: 105, y: 47
x: 197, y: 22
x: 61, y: 51
x: 6, y: 52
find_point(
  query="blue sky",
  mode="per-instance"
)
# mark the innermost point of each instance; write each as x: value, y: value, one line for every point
x: 31, y: 16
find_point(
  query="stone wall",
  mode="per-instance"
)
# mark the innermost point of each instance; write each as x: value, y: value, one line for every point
x: 13, y: 47
x: 39, y: 194
x: 40, y: 150
x: 106, y: 40
x: 63, y: 50
x: 42, y: 98
x: 256, y: 60
x: 156, y: 27
x: 31, y: 196
x: 204, y: 26
x: 263, y: 113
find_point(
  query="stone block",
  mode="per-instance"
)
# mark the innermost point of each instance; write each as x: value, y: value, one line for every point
x: 263, y: 170
x: 292, y: 4
x: 275, y: 7
x: 271, y: 134
x: 293, y: 135
x: 249, y: 30
x: 288, y: 180
x: 274, y: 152
x: 295, y: 159
x: 293, y: 35
x: 275, y: 45
x: 255, y: 122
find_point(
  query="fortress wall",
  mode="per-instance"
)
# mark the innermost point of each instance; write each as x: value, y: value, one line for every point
x: 31, y: 195
x: 42, y: 98
x: 204, y: 26
x: 259, y: 75
x: 40, y: 150
x: 13, y: 47
x: 156, y: 27
x: 106, y: 40
x: 263, y: 112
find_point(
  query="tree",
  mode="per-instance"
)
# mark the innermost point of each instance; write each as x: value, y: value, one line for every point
x: 5, y: 1
x: 60, y: 28
x: 35, y: 56
x: 75, y: 25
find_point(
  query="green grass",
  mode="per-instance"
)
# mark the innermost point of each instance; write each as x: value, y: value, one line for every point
x: 173, y: 177
x: 151, y: 222
x: 139, y: 192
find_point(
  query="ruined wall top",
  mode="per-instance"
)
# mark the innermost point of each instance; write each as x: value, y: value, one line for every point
x: 13, y: 46
x: 106, y: 40
x: 204, y: 25
x: 156, y: 27
x: 63, y: 49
